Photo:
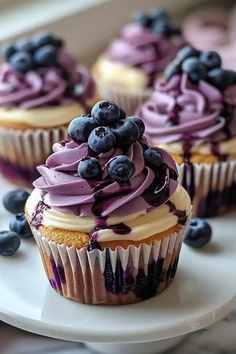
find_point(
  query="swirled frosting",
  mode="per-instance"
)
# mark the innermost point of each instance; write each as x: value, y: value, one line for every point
x: 141, y: 48
x: 45, y: 87
x: 64, y: 190
x: 180, y: 111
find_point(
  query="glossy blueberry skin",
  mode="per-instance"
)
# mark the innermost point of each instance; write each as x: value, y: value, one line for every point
x: 185, y: 53
x: 139, y: 122
x: 9, y: 50
x: 152, y: 159
x: 159, y: 15
x: 126, y: 133
x: 143, y: 20
x: 90, y: 168
x: 80, y: 128
x: 9, y: 243
x: 195, y: 70
x: 198, y: 234
x: 21, y: 61
x: 171, y: 70
x: 210, y: 59
x: 101, y: 139
x: 20, y: 225
x: 162, y: 28
x: 45, y: 38
x: 121, y: 169
x: 106, y: 113
x: 221, y: 79
x: 25, y: 45
x: 15, y: 200
x: 45, y: 56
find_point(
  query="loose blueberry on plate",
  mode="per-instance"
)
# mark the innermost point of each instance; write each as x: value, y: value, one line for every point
x: 21, y: 61
x: 45, y: 56
x: 106, y: 113
x: 195, y: 70
x: 221, y: 78
x: 80, y: 128
x: 121, y: 169
x: 126, y: 132
x: 9, y: 243
x: 138, y: 121
x: 185, y: 53
x: 20, y: 225
x: 90, y: 168
x: 211, y: 60
x: 101, y: 139
x: 152, y: 159
x: 198, y: 234
x: 9, y: 50
x: 14, y: 201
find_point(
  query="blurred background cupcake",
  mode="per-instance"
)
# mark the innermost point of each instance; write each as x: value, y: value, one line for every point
x: 41, y: 88
x: 128, y: 69
x: 213, y: 28
x: 192, y: 114
x: 108, y: 211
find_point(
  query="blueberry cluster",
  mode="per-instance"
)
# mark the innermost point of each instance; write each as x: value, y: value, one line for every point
x: 199, y: 65
x: 39, y: 51
x: 157, y: 21
x: 106, y: 128
x: 10, y: 241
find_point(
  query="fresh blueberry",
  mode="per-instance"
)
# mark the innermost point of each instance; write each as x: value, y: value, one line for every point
x: 171, y: 70
x: 106, y: 113
x: 45, y: 56
x: 143, y: 20
x: 9, y: 50
x: 198, y: 234
x: 126, y: 132
x: 21, y: 61
x: 152, y: 159
x: 159, y: 15
x: 195, y: 70
x: 101, y: 139
x: 14, y: 201
x: 90, y: 168
x: 162, y: 29
x: 211, y: 60
x: 20, y: 225
x: 80, y: 128
x: 221, y: 79
x: 9, y: 243
x: 121, y: 169
x: 25, y: 45
x: 122, y: 114
x: 138, y: 121
x: 44, y: 38
x: 185, y: 53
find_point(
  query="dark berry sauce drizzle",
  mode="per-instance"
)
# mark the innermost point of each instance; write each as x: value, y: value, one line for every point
x: 37, y: 216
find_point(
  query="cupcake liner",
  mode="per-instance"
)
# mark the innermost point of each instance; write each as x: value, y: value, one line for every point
x: 126, y: 99
x: 114, y: 277
x: 22, y: 150
x: 212, y: 187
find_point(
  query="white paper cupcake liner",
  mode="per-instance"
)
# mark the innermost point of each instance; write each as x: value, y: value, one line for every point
x: 212, y: 187
x: 127, y: 100
x: 22, y: 150
x: 119, y: 276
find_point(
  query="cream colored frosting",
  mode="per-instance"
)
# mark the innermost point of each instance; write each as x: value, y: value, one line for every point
x: 119, y: 74
x: 225, y: 147
x: 47, y: 117
x: 142, y: 225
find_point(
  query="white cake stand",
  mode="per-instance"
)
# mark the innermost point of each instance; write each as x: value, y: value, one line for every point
x: 203, y: 291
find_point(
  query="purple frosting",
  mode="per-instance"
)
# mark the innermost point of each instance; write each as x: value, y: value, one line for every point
x: 181, y: 111
x: 64, y: 190
x: 144, y: 49
x: 44, y: 87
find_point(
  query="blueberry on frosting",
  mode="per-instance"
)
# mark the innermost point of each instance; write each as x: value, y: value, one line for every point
x: 121, y: 169
x: 80, y: 128
x: 90, y: 168
x: 126, y: 132
x: 21, y: 61
x: 105, y: 113
x: 101, y: 139
x: 195, y: 70
x: 152, y: 159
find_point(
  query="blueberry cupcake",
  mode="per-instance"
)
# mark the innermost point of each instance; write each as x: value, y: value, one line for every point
x: 41, y: 88
x: 107, y: 212
x: 127, y: 71
x: 192, y: 115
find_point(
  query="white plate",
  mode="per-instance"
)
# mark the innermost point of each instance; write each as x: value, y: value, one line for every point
x: 203, y: 291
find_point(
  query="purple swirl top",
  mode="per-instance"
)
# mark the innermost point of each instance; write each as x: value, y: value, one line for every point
x: 61, y: 83
x: 64, y: 190
x: 143, y: 48
x: 180, y: 111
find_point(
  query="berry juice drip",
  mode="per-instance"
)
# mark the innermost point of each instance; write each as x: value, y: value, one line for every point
x: 37, y: 216
x: 181, y: 214
x: 215, y: 149
x: 158, y: 191
x: 189, y: 175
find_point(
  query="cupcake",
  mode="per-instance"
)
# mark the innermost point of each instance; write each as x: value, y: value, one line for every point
x: 41, y: 88
x: 126, y: 72
x: 217, y: 27
x: 107, y: 212
x: 192, y: 115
